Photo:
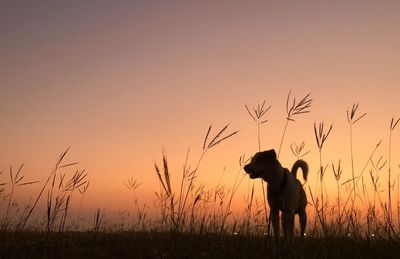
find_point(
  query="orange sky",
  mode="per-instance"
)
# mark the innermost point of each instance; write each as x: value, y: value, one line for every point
x: 118, y: 81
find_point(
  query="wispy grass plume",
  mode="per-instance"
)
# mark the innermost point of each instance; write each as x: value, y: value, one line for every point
x: 298, y: 150
x: 257, y: 115
x: 293, y: 109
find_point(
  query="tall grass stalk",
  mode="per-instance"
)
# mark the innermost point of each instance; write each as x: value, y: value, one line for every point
x: 79, y: 179
x: 352, y: 119
x: 378, y: 166
x: 97, y: 222
x: 132, y: 185
x: 372, y: 210
x: 59, y: 199
x: 168, y: 202
x: 178, y: 218
x: 321, y: 136
x: 238, y: 180
x: 15, y: 181
x: 82, y: 191
x: 369, y: 160
x: 217, y: 139
x: 393, y: 125
x: 2, y: 189
x: 249, y: 209
x: 293, y: 109
x: 337, y: 171
x: 257, y: 115
x: 52, y: 173
x: 185, y: 172
x: 398, y: 199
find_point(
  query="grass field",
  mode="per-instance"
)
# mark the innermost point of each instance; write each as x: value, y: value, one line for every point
x: 194, y: 222
x: 178, y: 245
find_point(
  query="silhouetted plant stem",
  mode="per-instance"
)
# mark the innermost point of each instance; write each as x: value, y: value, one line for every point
x: 359, y: 176
x: 9, y: 198
x: 57, y: 166
x: 389, y: 180
x: 352, y: 166
x: 258, y: 136
x: 15, y: 181
x: 398, y: 200
x: 257, y: 115
x: 192, y: 177
x: 178, y: 217
x: 283, y: 136
x: 83, y: 192
x: 303, y: 106
x: 97, y: 222
x: 235, y: 187
x: 249, y: 207
x: 321, y: 137
x: 79, y: 212
x: 322, y: 190
x: 184, y: 172
x: 338, y: 173
x: 393, y: 125
x: 351, y: 119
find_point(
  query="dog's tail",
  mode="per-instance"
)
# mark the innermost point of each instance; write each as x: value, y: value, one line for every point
x: 304, y: 167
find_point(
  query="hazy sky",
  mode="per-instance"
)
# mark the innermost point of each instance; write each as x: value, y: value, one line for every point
x: 117, y: 81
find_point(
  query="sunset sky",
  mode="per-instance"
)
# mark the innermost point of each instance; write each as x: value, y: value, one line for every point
x: 118, y: 81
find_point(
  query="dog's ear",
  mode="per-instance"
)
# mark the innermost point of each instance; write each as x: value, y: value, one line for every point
x: 269, y: 155
x: 273, y: 153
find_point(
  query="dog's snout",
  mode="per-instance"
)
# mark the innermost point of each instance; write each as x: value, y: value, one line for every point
x: 246, y: 168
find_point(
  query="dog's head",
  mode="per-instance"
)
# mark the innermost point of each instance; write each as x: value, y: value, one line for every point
x: 262, y: 165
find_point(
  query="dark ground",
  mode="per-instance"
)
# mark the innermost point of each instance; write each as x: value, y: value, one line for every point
x: 172, y: 245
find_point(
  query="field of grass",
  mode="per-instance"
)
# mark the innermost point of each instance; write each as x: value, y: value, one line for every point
x: 180, y: 245
x: 194, y: 222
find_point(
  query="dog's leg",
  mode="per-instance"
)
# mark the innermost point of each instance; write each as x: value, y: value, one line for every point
x: 275, y: 226
x: 284, y: 224
x: 303, y: 221
x: 290, y: 228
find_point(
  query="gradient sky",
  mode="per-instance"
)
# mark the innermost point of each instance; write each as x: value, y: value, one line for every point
x: 117, y: 81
